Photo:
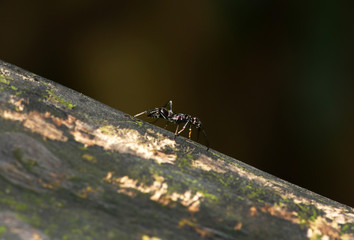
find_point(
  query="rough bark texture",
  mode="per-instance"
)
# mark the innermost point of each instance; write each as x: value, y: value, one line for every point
x: 74, y: 168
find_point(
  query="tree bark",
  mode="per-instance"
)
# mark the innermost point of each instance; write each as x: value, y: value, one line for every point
x: 74, y: 168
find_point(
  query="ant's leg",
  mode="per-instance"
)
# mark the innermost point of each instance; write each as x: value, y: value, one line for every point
x: 136, y: 115
x: 190, y: 131
x: 198, y: 134
x: 206, y: 138
x: 176, y: 132
x: 184, y: 126
x: 169, y: 103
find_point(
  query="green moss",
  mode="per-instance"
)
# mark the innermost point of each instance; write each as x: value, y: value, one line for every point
x: 252, y: 195
x: 13, y: 204
x: 209, y: 195
x: 316, y: 237
x: 240, y: 198
x: 14, y: 88
x: 44, y: 83
x: 136, y: 121
x: 56, y: 98
x: 347, y: 228
x: 307, y: 213
x: 222, y: 182
x: 183, y: 162
x: 139, y: 123
x: 108, y: 130
x: 2, y: 230
x: 216, y: 154
x: 4, y: 80
x: 82, y: 148
x: 89, y: 158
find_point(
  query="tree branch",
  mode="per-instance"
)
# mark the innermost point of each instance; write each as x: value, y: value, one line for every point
x: 74, y: 168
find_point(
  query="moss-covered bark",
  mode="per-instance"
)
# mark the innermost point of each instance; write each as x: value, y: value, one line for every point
x: 73, y: 168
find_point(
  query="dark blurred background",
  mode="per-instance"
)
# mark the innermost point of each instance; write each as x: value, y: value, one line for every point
x: 272, y: 81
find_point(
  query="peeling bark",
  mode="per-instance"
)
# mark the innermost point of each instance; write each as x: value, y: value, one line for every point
x: 74, y: 168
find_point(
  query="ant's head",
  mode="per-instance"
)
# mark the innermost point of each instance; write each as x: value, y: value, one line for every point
x: 196, y: 122
x: 157, y: 113
x: 154, y: 113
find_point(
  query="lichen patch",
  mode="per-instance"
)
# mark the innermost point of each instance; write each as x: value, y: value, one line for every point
x: 158, y: 191
x: 334, y: 213
x: 127, y: 141
x: 8, y: 73
x: 35, y: 122
x: 207, y: 164
x: 281, y: 212
x: 325, y: 229
x: 18, y: 103
x: 109, y: 137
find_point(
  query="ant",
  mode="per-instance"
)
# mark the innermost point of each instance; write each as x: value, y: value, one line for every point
x: 176, y: 118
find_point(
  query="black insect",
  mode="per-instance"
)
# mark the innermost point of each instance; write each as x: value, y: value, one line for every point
x: 176, y: 118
